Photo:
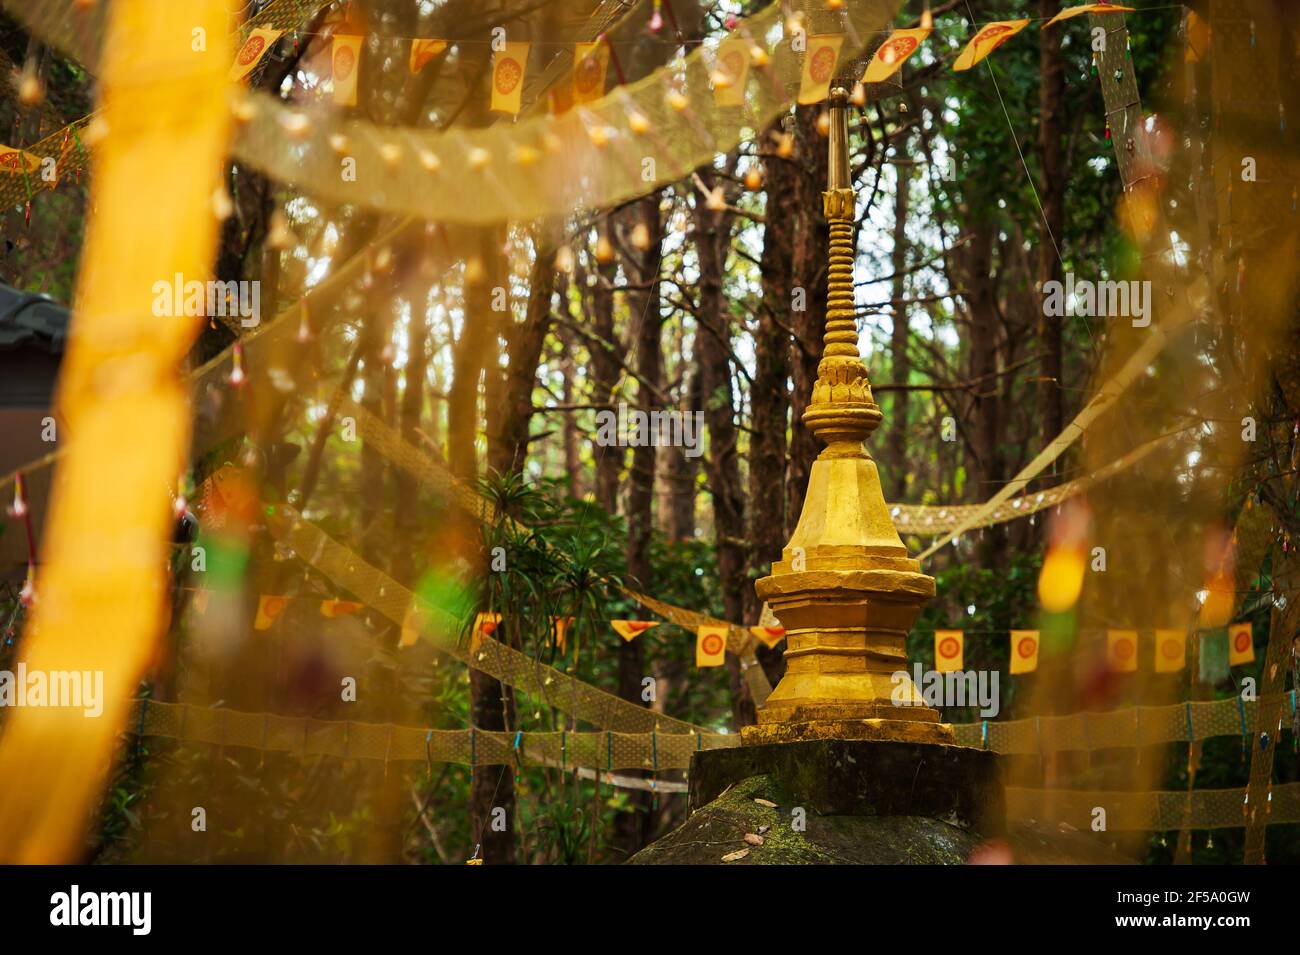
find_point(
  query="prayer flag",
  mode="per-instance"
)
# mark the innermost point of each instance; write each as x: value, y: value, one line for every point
x: 710, y: 646
x: 819, y: 67
x: 508, y: 77
x: 1024, y: 651
x: 889, y: 58
x: 989, y: 38
x: 345, y: 56
x: 948, y: 647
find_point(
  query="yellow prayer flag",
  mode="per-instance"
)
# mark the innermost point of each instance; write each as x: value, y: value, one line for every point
x: 629, y: 630
x: 989, y: 38
x: 819, y: 67
x: 710, y: 646
x: 411, y: 625
x: 422, y: 51
x: 1024, y: 651
x: 770, y: 636
x: 485, y: 624
x: 731, y: 71
x: 1075, y: 11
x: 268, y: 608
x: 251, y: 53
x: 888, y: 60
x: 1198, y: 38
x: 1241, y: 644
x: 13, y: 160
x: 948, y: 647
x: 338, y: 608
x: 345, y: 57
x: 1171, y: 650
x: 1121, y: 650
x: 590, y: 60
x: 508, y: 77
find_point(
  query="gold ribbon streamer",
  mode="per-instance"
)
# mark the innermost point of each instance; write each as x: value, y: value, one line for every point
x: 603, y: 752
x: 545, y: 683
x: 633, y: 140
x: 100, y: 595
x: 394, y: 446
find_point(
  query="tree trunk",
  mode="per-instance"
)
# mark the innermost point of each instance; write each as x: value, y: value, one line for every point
x: 508, y: 447
x: 1051, y: 130
x: 631, y: 828
x: 896, y: 440
x: 811, y: 242
x: 722, y: 465
x: 604, y: 375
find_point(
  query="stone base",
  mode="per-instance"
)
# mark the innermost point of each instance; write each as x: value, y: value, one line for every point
x: 864, y: 777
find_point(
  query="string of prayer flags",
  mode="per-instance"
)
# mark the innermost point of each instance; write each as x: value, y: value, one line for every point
x: 629, y: 630
x: 508, y: 77
x: 889, y: 59
x: 710, y: 646
x: 1241, y: 644
x: 1082, y: 8
x: 730, y: 72
x: 948, y: 650
x: 338, y: 608
x: 769, y: 636
x: 422, y: 51
x: 268, y: 608
x: 1121, y: 651
x: 819, y: 67
x: 1024, y: 651
x: 1171, y: 650
x: 590, y: 61
x: 345, y: 55
x: 250, y: 54
x: 485, y: 624
x: 989, y: 38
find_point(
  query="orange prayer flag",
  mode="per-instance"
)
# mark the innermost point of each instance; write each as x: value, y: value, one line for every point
x: 345, y: 56
x: 631, y: 629
x: 1024, y: 651
x: 989, y: 38
x: 1171, y: 650
x: 590, y: 61
x: 338, y: 608
x: 422, y: 51
x: 730, y: 72
x: 819, y: 67
x: 559, y: 630
x: 250, y: 54
x: 1241, y: 644
x: 1082, y: 8
x: 268, y: 608
x: 888, y: 60
x: 710, y: 646
x: 485, y: 624
x: 508, y: 77
x: 1121, y: 650
x: 770, y: 636
x: 948, y: 650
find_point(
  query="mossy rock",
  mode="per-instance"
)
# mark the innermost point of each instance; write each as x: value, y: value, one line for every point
x: 718, y: 830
